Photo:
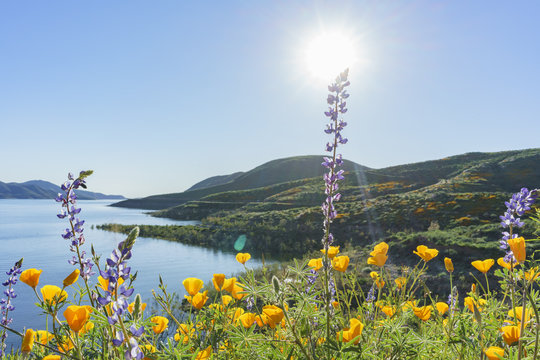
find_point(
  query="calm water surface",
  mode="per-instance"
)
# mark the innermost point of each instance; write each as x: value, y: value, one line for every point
x: 30, y: 229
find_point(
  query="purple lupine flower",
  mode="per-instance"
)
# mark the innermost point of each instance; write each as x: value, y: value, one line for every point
x: 75, y: 232
x: 311, y: 280
x: 518, y: 204
x: 5, y: 303
x: 115, y: 270
x: 337, y: 107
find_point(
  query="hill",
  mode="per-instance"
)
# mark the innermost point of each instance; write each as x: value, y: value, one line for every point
x: 270, y: 173
x: 40, y: 189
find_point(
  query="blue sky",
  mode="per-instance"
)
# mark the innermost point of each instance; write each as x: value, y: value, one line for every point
x: 155, y: 96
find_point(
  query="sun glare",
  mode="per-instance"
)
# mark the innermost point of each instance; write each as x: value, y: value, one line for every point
x: 328, y: 54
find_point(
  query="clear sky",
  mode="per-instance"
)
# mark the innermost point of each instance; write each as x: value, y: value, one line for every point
x: 157, y: 95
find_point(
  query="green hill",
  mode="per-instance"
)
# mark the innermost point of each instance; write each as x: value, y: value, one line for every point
x: 40, y: 189
x: 270, y: 173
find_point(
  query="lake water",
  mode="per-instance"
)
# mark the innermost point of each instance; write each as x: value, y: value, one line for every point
x: 31, y: 229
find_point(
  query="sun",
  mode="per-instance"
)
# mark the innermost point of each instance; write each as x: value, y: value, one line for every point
x: 329, y: 53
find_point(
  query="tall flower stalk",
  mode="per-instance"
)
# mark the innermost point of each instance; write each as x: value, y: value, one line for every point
x: 337, y: 106
x: 5, y: 303
x: 74, y: 233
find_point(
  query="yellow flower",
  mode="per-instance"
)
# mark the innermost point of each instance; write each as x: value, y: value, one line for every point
x: 469, y: 302
x: 494, y: 353
x: 378, y: 260
x: 426, y: 253
x: 400, y: 281
x: 204, y: 354
x: 380, y: 283
x: 28, y: 341
x: 104, y: 283
x: 332, y: 251
x: 237, y: 291
x: 51, y: 294
x: 43, y: 337
x: 228, y: 284
x: 510, y: 334
x: 316, y: 264
x: 448, y: 264
x: 378, y: 255
x: 247, y: 319
x: 243, y: 257
x: 441, y: 307
x: 198, y: 300
x: 423, y: 313
x: 161, y: 324
x: 86, y: 328
x: 408, y: 305
x: 193, y: 285
x: 183, y: 333
x: 353, y: 332
x: 149, y: 348
x: 272, y: 315
x: 30, y: 277
x: 374, y: 275
x: 388, y: 310
x: 483, y: 266
x: 520, y: 315
x: 340, y: 263
x: 66, y: 345
x: 504, y: 264
x: 131, y: 307
x: 473, y: 288
x: 532, y: 274
x: 76, y: 316
x: 52, y: 357
x: 71, y: 278
x: 226, y: 299
x: 517, y: 246
x: 218, y: 280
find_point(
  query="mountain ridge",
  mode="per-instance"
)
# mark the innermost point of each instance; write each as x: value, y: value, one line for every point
x: 41, y: 189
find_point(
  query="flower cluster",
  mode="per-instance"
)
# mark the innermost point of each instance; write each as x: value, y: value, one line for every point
x: 5, y: 303
x: 337, y: 103
x: 75, y: 232
x: 518, y: 204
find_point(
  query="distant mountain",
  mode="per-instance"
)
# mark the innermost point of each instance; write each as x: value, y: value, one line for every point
x: 40, y: 189
x: 271, y: 173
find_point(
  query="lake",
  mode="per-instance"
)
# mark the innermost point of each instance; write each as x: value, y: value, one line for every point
x: 31, y: 229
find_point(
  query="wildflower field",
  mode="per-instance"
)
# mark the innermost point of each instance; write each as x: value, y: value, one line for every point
x: 316, y: 309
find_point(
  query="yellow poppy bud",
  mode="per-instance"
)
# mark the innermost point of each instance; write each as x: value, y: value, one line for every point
x: 72, y: 278
x: 193, y: 285
x: 448, y: 264
x: 30, y: 277
x: 517, y: 246
x: 243, y: 257
x: 51, y: 294
x: 161, y: 324
x: 340, y: 263
x: 483, y: 266
x: 28, y: 341
x: 426, y: 253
